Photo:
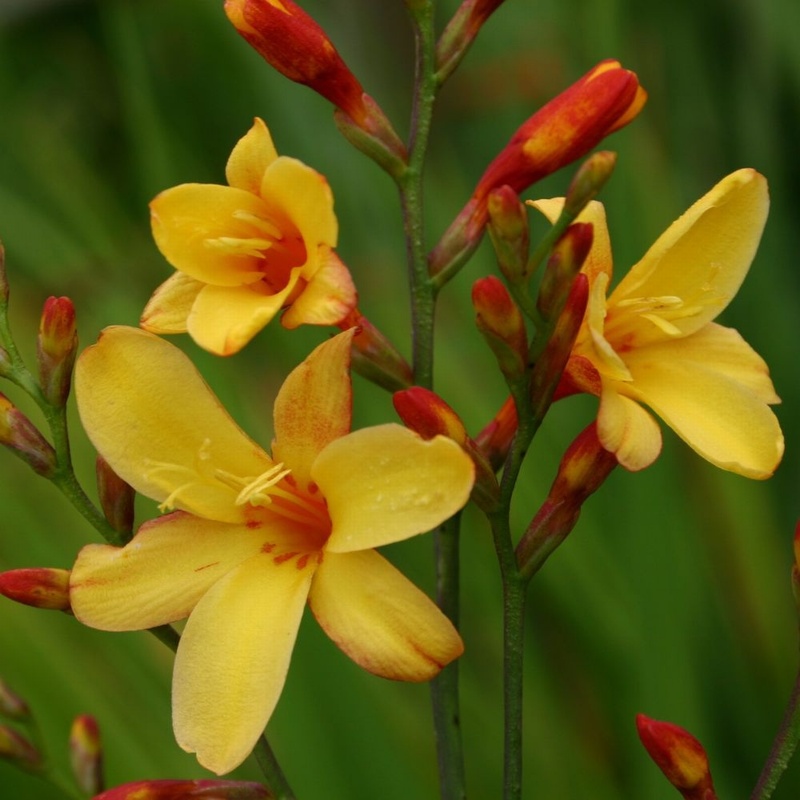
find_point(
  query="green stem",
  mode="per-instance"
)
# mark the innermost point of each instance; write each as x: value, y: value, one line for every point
x: 272, y: 771
x: 444, y: 688
x: 783, y: 747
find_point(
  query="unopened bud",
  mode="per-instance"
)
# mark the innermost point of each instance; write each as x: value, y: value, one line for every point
x: 582, y: 471
x: 116, y: 498
x: 12, y: 705
x: 500, y: 321
x: 56, y: 348
x: 427, y: 414
x: 679, y: 756
x: 565, y: 262
x: 40, y: 587
x: 590, y: 178
x: 374, y: 356
x: 459, y: 33
x: 180, y: 790
x: 508, y: 229
x: 21, y: 436
x: 16, y: 748
x: 86, y: 754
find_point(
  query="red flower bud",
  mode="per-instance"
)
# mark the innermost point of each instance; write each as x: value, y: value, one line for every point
x: 56, y: 348
x: 565, y: 262
x: 40, y: 587
x: 679, y: 756
x: 11, y: 704
x: 86, y: 754
x: 508, y: 229
x: 116, y: 498
x: 567, y: 127
x: 181, y: 790
x: 16, y: 748
x: 21, y: 436
x: 295, y: 45
x: 425, y: 413
x: 500, y: 321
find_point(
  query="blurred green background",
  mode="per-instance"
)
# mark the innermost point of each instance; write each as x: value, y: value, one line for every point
x: 671, y: 598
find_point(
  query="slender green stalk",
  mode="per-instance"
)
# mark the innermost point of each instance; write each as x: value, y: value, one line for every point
x: 783, y: 747
x: 272, y: 771
x: 444, y: 688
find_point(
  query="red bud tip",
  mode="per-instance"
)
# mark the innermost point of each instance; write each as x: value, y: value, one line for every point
x: 56, y: 348
x: 425, y: 413
x: 679, y: 756
x: 180, y: 790
x: 19, y: 434
x: 12, y: 705
x: 16, y: 748
x: 297, y: 47
x: 86, y: 754
x: 508, y: 229
x: 565, y: 262
x: 40, y: 587
x: 500, y: 321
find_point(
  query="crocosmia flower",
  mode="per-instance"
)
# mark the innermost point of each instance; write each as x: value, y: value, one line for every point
x: 252, y: 537
x: 653, y: 341
x: 247, y: 250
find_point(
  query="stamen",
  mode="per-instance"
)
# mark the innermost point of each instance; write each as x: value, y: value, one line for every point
x: 264, y: 225
x: 256, y: 492
x: 254, y: 247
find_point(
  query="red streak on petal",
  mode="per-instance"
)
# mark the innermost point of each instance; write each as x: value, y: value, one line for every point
x: 206, y: 566
x: 267, y: 547
x: 303, y: 561
x: 284, y: 557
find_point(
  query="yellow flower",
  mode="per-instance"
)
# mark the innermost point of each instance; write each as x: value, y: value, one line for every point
x: 653, y: 342
x: 254, y: 536
x: 247, y: 250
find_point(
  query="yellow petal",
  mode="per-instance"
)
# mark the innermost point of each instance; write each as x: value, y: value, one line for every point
x: 153, y: 418
x: 191, y: 220
x: 314, y: 406
x: 328, y: 298
x: 720, y: 417
x: 599, y: 259
x: 233, y: 657
x: 160, y: 575
x: 225, y: 318
x: 626, y: 429
x: 380, y: 619
x: 702, y: 259
x: 385, y: 484
x: 302, y: 195
x: 251, y: 156
x: 169, y: 307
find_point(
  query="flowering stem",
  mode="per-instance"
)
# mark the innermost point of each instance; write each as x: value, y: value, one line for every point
x: 444, y: 688
x: 273, y: 773
x: 783, y: 747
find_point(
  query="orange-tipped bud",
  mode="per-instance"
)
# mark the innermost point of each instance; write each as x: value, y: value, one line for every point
x: 116, y: 498
x: 425, y: 413
x: 565, y: 262
x: 679, y: 756
x: 582, y: 471
x: 460, y: 32
x: 40, y: 587
x: 508, y: 229
x: 500, y: 321
x: 295, y: 45
x: 16, y: 748
x: 374, y: 356
x: 590, y: 178
x: 12, y: 705
x: 21, y: 436
x: 86, y: 754
x: 56, y: 347
x: 563, y: 130
x: 180, y: 790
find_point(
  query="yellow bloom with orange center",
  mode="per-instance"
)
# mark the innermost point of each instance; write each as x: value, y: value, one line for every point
x: 245, y: 251
x: 253, y: 536
x: 653, y: 341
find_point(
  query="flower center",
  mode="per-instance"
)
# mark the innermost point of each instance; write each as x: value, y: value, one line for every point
x: 274, y: 488
x: 275, y: 243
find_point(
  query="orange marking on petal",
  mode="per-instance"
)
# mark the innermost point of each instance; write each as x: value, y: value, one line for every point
x: 284, y: 557
x: 267, y: 547
x: 302, y: 562
x: 206, y: 566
